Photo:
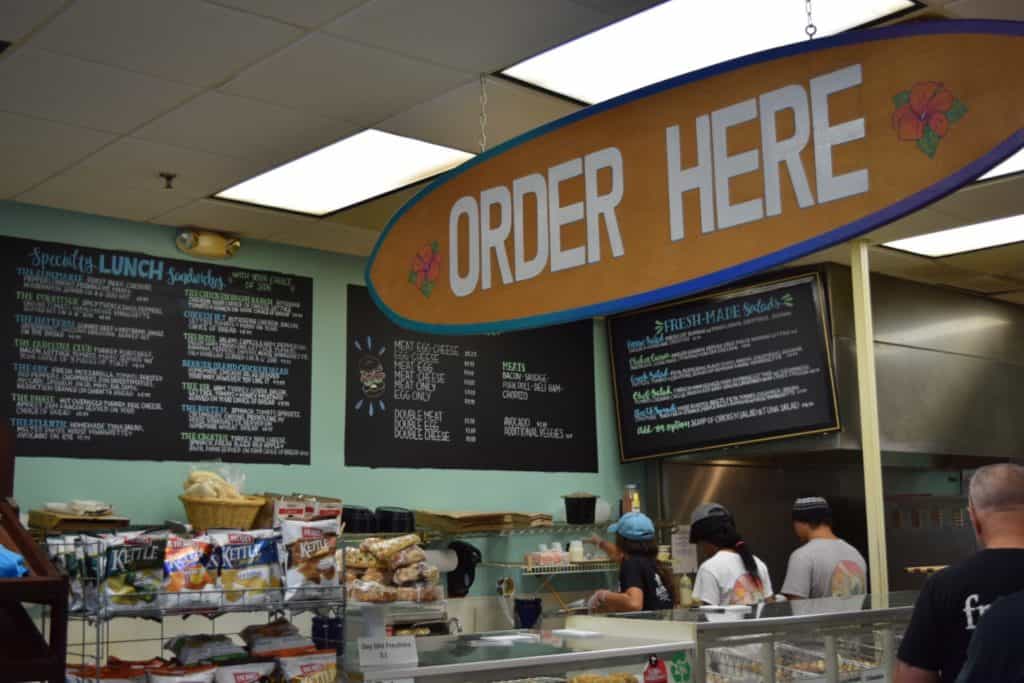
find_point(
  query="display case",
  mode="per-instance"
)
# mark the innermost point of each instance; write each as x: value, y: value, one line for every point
x: 835, y: 639
x: 559, y: 655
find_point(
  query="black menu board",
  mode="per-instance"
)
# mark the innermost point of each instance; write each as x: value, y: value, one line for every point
x: 735, y: 367
x: 111, y: 354
x: 515, y: 401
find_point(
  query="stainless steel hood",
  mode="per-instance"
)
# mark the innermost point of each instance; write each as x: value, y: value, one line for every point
x: 950, y: 381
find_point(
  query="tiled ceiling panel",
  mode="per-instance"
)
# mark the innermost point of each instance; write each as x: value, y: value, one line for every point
x: 987, y: 9
x: 336, y: 78
x: 95, y: 195
x: 330, y: 236
x: 474, y: 35
x: 32, y: 150
x: 187, y: 41
x: 619, y: 8
x: 986, y: 284
x: 305, y: 13
x: 246, y: 129
x: 453, y: 119
x: 1006, y: 260
x: 19, y: 17
x: 59, y: 88
x: 985, y: 201
x: 213, y: 214
x: 928, y: 219
x: 375, y: 214
x: 131, y: 163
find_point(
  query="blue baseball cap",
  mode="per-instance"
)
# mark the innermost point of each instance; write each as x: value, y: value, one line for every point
x: 634, y: 526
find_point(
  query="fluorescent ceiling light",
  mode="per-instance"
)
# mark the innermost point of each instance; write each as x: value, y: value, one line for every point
x: 1014, y: 164
x: 352, y: 170
x: 968, y: 238
x: 680, y: 36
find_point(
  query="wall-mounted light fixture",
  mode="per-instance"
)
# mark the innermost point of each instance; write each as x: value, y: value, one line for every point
x: 206, y: 243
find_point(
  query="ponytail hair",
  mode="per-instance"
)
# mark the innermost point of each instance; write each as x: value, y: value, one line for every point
x: 721, y: 533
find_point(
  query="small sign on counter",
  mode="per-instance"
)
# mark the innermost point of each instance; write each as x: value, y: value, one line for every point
x: 684, y: 553
x: 394, y: 651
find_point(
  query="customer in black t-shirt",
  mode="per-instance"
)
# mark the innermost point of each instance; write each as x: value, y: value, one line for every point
x: 643, y: 585
x: 952, y: 603
x: 995, y: 654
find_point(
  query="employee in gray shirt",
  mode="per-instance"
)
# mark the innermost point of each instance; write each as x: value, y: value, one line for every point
x: 825, y: 566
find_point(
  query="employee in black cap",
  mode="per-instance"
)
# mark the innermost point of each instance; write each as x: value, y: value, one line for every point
x: 731, y: 575
x: 825, y: 566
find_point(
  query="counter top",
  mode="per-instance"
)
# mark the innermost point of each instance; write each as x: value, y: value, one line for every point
x: 527, y: 652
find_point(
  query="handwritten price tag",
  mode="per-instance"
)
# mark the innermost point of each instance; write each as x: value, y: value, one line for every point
x: 396, y: 651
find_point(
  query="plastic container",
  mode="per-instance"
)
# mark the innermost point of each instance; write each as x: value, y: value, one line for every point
x: 580, y: 508
x: 576, y: 553
x: 395, y: 520
x: 359, y: 520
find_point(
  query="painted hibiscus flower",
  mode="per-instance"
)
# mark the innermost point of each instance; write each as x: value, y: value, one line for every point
x: 426, y: 266
x: 924, y: 114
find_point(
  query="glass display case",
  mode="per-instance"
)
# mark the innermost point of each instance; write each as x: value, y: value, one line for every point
x: 563, y: 655
x: 835, y: 639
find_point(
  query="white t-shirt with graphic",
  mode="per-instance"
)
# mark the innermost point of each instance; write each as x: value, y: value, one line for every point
x: 723, y: 580
x: 826, y: 568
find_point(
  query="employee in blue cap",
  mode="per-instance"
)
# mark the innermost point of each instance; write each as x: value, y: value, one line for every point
x: 643, y: 585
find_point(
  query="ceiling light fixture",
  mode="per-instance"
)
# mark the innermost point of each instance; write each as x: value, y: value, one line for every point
x: 1014, y: 164
x: 681, y: 36
x: 348, y: 172
x: 985, y: 235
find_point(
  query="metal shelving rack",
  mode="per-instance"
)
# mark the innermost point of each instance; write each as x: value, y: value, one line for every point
x: 98, y: 612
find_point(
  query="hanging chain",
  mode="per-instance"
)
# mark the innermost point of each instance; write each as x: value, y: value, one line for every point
x: 483, y: 113
x: 810, y: 29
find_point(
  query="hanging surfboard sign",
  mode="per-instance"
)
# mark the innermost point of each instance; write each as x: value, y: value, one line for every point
x: 704, y: 179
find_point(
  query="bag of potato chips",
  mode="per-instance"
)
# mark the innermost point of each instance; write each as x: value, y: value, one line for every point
x: 133, y: 574
x: 311, y: 568
x: 250, y: 570
x: 190, y: 575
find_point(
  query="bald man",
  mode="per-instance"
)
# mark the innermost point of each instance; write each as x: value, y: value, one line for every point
x: 953, y: 601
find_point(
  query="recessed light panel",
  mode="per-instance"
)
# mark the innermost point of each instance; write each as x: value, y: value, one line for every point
x: 680, y: 36
x: 360, y: 167
x: 1014, y: 164
x: 968, y: 238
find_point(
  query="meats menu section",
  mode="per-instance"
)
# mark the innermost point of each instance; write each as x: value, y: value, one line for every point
x: 111, y: 354
x: 516, y: 401
x: 732, y: 368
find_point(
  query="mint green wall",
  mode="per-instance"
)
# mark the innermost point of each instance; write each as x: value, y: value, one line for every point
x: 147, y: 491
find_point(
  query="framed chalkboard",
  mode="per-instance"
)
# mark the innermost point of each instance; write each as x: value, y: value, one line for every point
x: 731, y: 368
x: 516, y: 401
x: 113, y: 354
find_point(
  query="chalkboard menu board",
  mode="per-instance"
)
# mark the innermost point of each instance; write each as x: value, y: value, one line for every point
x: 516, y: 401
x: 110, y: 354
x: 736, y: 367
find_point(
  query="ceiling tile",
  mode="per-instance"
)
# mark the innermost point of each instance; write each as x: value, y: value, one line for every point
x: 986, y: 9
x: 19, y: 17
x: 250, y: 221
x: 1005, y: 260
x: 94, y: 195
x: 375, y: 214
x: 995, y: 198
x: 59, y: 88
x: 330, y: 236
x: 477, y: 36
x: 619, y: 8
x: 919, y: 222
x: 453, y: 119
x: 912, y: 267
x: 245, y: 129
x: 344, y: 80
x: 33, y: 150
x: 131, y: 163
x: 1012, y: 297
x: 186, y: 41
x: 307, y: 13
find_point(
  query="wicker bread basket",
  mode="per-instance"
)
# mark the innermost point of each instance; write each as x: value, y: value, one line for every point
x: 219, y: 513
